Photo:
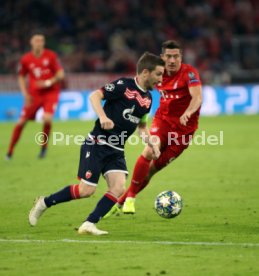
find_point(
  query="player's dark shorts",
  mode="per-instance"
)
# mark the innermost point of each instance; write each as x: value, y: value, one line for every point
x: 97, y: 159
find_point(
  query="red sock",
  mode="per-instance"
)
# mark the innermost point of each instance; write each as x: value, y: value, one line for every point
x: 46, y: 130
x: 74, y: 191
x: 15, y: 137
x: 140, y: 173
x: 123, y: 197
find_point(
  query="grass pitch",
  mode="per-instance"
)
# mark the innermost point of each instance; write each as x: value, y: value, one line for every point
x: 217, y: 232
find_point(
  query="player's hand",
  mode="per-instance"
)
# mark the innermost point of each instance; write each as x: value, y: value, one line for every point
x: 27, y: 100
x: 106, y: 123
x: 185, y: 118
x: 44, y: 83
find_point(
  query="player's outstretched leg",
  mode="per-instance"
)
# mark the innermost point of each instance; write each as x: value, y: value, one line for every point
x: 42, y: 153
x: 46, y: 130
x: 14, y: 139
x: 102, y: 208
x: 140, y: 173
x: 39, y: 207
x: 68, y: 193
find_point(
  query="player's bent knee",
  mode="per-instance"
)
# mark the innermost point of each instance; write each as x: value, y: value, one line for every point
x: 86, y: 190
x: 22, y: 122
x: 47, y: 120
x: 118, y: 189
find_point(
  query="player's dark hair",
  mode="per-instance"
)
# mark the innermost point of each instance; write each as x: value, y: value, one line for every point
x: 149, y: 61
x: 36, y: 32
x: 171, y: 44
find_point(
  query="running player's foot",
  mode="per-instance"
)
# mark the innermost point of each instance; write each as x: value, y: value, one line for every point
x: 129, y: 206
x: 37, y: 210
x: 43, y: 153
x: 89, y: 228
x: 115, y: 210
x: 8, y: 156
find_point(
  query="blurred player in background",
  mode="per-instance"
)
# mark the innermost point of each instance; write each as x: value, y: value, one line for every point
x: 128, y: 101
x: 173, y: 125
x: 44, y: 75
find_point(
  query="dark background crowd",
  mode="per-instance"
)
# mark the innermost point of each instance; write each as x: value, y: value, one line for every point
x: 220, y: 37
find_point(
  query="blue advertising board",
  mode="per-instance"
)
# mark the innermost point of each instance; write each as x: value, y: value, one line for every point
x: 218, y: 100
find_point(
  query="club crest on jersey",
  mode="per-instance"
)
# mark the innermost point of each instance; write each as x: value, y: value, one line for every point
x: 127, y: 115
x: 192, y: 77
x: 109, y: 87
x: 45, y: 62
x: 88, y: 174
x: 154, y: 129
x: 134, y: 94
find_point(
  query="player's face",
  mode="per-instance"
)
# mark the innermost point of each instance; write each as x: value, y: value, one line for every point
x: 155, y: 77
x: 37, y: 43
x: 172, y: 59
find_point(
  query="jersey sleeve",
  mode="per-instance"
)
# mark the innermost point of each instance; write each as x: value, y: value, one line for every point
x: 114, y: 90
x: 22, y: 68
x: 192, y: 77
x: 55, y: 63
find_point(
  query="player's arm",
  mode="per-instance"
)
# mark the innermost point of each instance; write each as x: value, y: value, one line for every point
x: 23, y: 88
x: 59, y: 76
x: 96, y: 100
x: 152, y: 141
x: 22, y: 73
x: 195, y: 103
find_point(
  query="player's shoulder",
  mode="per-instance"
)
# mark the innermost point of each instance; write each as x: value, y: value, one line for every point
x: 49, y: 52
x: 191, y: 74
x: 26, y: 59
x: 124, y: 82
x: 188, y: 67
x: 26, y: 56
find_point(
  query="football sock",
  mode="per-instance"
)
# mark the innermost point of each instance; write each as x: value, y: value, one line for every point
x: 103, y: 207
x: 138, y: 181
x: 142, y: 186
x: 66, y: 194
x: 15, y: 137
x: 46, y: 130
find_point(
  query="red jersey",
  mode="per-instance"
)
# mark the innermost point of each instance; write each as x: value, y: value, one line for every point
x: 175, y: 97
x: 40, y: 68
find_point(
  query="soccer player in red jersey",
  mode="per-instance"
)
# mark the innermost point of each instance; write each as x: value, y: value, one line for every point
x: 44, y: 75
x: 173, y: 125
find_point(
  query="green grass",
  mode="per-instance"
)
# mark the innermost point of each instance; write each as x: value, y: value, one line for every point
x: 219, y: 185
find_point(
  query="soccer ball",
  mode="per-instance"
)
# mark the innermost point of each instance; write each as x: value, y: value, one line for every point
x: 168, y: 204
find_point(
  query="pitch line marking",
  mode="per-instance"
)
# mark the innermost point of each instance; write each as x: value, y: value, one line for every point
x: 132, y: 242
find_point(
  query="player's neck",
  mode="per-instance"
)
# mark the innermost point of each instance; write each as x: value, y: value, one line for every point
x: 171, y: 73
x: 140, y: 83
x: 37, y: 53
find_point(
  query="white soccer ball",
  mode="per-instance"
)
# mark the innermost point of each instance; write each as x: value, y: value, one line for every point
x: 168, y: 204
